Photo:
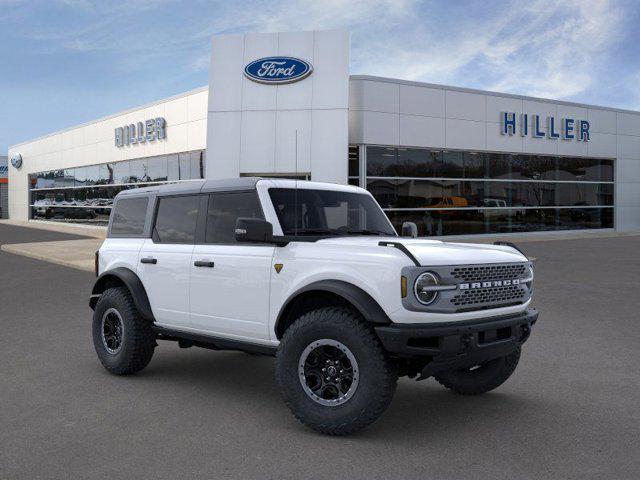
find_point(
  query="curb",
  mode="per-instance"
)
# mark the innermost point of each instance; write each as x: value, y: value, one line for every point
x: 84, y: 265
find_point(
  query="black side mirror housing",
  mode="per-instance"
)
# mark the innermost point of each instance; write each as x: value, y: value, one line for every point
x: 409, y: 229
x: 255, y: 230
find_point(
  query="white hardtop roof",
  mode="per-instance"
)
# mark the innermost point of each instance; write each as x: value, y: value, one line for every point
x: 231, y: 184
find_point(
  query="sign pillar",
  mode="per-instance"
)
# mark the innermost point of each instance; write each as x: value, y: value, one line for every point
x: 265, y: 87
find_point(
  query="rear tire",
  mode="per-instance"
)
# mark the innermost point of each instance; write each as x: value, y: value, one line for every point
x: 480, y: 379
x: 123, y: 340
x: 361, y: 383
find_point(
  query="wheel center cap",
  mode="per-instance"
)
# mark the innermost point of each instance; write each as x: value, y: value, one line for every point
x: 332, y: 370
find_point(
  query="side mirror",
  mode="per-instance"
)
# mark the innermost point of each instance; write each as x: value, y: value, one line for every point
x: 254, y: 230
x: 409, y: 229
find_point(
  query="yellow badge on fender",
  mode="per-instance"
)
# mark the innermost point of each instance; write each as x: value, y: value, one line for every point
x: 278, y: 267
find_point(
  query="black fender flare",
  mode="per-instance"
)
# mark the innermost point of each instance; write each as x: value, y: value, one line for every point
x: 364, y: 303
x: 133, y: 284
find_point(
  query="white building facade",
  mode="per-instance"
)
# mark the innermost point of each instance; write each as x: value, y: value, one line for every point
x: 452, y: 160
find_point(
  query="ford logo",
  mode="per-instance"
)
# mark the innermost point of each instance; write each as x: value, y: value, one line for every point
x: 278, y: 70
x: 16, y: 160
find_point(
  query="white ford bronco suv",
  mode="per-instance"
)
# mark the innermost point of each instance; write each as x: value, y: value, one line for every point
x: 315, y: 275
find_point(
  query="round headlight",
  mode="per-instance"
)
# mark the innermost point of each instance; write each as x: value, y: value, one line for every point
x: 422, y: 288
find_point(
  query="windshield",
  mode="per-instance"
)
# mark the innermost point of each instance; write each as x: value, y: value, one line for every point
x: 328, y: 212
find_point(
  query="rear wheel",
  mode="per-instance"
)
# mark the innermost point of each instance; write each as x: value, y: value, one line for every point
x: 122, y: 339
x: 480, y: 378
x: 333, y: 373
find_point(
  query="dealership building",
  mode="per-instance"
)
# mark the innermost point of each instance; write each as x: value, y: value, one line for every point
x: 452, y: 160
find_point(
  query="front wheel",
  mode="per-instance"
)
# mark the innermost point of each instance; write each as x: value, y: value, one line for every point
x: 480, y: 378
x: 333, y: 373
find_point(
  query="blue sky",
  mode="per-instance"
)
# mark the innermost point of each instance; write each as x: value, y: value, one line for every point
x: 70, y: 61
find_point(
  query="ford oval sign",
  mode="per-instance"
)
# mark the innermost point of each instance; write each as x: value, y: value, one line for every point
x: 16, y: 160
x: 278, y: 70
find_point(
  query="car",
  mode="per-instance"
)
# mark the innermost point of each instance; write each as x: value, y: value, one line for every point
x: 315, y: 275
x: 491, y: 208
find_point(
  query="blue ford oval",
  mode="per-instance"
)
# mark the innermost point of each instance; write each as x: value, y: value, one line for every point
x: 277, y: 70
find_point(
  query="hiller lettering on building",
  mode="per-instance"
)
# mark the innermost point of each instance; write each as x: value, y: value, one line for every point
x: 533, y: 125
x: 147, y: 131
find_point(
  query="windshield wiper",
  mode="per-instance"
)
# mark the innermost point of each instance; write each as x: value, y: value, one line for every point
x: 366, y: 231
x: 314, y: 231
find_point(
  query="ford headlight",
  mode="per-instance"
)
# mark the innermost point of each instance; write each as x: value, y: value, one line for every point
x: 426, y: 288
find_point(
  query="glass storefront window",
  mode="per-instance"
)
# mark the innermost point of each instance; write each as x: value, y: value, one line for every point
x: 444, y: 193
x: 157, y: 169
x: 85, y: 194
x: 467, y: 222
x: 197, y: 165
x: 121, y: 172
x: 354, y: 161
x: 173, y: 168
x: 184, y: 166
x: 139, y: 171
x: 414, y: 162
x: 457, y: 192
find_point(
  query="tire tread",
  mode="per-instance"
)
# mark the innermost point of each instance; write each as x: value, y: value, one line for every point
x: 350, y: 322
x: 142, y: 340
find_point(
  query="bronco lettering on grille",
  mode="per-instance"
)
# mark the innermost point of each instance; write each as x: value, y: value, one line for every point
x: 494, y: 283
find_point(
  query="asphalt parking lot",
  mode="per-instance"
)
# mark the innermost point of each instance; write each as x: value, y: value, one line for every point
x: 571, y: 410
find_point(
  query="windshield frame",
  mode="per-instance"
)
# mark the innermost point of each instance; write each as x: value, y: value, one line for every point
x: 386, y: 228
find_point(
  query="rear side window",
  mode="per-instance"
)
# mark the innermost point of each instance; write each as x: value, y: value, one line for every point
x: 224, y: 209
x: 176, y: 219
x: 128, y: 217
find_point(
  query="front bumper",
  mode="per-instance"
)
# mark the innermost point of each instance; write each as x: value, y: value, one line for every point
x: 453, y: 345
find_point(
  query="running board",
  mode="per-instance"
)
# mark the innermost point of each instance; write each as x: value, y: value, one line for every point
x: 212, y: 342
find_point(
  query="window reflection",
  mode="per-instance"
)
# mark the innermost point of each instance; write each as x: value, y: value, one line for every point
x: 173, y: 168
x: 139, y: 171
x: 85, y: 194
x: 448, y: 192
x: 424, y: 163
x: 443, y: 193
x: 120, y: 172
x: 506, y: 220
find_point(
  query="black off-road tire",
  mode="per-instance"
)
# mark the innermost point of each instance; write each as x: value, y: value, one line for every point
x: 138, y: 340
x: 481, y: 379
x: 377, y: 374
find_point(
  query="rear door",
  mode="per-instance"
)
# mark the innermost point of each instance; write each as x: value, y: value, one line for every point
x: 164, y: 264
x: 230, y: 280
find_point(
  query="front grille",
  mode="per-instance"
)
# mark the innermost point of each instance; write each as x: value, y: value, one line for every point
x: 492, y: 295
x: 474, y: 287
x: 481, y: 273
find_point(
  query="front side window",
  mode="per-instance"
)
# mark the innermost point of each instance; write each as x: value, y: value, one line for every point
x: 176, y: 219
x: 328, y: 212
x: 128, y: 217
x: 223, y: 212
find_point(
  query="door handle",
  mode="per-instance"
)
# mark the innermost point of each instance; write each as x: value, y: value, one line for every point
x: 203, y: 263
x: 149, y: 260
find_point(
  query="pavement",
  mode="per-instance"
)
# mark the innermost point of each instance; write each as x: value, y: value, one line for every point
x: 67, y: 245
x: 80, y: 229
x: 69, y: 253
x: 571, y: 410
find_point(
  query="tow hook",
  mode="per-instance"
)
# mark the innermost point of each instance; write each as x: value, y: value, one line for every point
x: 526, y: 331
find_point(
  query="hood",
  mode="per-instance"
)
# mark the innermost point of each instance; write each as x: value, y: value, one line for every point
x: 436, y: 252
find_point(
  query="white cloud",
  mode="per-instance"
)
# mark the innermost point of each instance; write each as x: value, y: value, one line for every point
x: 540, y: 48
x: 545, y: 49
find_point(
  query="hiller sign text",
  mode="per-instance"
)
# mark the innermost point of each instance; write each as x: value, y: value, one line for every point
x: 525, y: 125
